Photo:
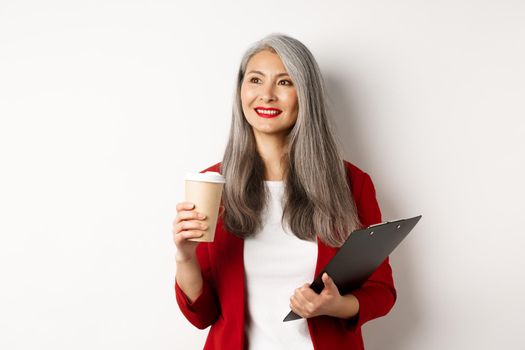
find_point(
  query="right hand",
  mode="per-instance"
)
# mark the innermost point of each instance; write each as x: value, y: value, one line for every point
x: 187, y: 224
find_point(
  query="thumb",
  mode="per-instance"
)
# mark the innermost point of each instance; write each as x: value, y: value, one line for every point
x: 329, y: 282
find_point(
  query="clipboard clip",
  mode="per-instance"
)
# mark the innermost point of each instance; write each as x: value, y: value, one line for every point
x: 399, y: 221
x: 381, y: 223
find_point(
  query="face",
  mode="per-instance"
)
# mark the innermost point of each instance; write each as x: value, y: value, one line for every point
x: 268, y: 96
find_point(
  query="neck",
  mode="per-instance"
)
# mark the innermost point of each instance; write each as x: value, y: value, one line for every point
x: 272, y: 148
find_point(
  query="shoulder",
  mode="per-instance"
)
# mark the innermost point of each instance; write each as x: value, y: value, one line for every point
x: 215, y: 167
x: 364, y: 194
x: 354, y: 172
x: 358, y: 179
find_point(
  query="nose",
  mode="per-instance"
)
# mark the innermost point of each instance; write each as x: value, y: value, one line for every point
x: 267, y: 93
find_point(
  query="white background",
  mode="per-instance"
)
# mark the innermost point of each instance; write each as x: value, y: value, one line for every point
x: 105, y: 105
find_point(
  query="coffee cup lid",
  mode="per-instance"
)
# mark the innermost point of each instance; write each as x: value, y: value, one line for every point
x: 209, y: 176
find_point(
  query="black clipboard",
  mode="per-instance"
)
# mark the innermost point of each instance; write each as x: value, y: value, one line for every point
x: 361, y: 255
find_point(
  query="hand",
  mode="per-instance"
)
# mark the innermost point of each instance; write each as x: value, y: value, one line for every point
x: 307, y: 303
x: 187, y: 224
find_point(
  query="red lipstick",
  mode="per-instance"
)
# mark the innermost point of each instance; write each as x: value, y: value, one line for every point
x: 267, y: 112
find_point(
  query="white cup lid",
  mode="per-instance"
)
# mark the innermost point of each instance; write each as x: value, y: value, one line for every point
x: 209, y: 176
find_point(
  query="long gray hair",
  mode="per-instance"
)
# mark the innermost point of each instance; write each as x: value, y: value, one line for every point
x: 317, y: 197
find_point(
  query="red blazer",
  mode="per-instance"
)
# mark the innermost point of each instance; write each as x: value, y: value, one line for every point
x: 221, y: 303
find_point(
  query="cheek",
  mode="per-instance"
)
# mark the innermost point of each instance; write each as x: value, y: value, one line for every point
x: 293, y: 102
x: 243, y: 95
x: 245, y: 102
x: 246, y: 95
x: 290, y: 98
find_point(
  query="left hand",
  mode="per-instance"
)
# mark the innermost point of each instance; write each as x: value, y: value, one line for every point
x: 307, y: 303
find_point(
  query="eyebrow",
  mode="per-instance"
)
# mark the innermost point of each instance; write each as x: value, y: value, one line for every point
x: 261, y: 73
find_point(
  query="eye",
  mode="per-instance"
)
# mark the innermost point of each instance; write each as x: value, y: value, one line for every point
x: 288, y: 82
x: 254, y: 78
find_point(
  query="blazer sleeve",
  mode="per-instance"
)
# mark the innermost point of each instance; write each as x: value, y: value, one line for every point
x: 378, y: 294
x: 204, y: 310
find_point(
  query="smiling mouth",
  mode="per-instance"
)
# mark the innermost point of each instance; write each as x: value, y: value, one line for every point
x: 268, y: 112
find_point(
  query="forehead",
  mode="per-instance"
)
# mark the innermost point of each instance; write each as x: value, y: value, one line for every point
x: 265, y: 61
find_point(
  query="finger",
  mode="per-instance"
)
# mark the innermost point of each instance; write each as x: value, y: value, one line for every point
x: 188, y: 215
x: 305, y: 286
x: 185, y: 206
x: 329, y: 284
x: 182, y: 241
x: 304, y: 307
x: 310, y: 295
x: 296, y: 307
x: 189, y: 225
x: 193, y: 225
x: 187, y: 234
x: 301, y: 299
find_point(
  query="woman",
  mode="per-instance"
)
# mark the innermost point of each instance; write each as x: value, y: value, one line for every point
x: 289, y: 203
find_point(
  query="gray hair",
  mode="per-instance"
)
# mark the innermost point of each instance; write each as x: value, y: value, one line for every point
x: 317, y: 198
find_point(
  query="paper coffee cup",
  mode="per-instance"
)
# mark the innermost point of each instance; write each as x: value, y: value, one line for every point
x: 205, y: 191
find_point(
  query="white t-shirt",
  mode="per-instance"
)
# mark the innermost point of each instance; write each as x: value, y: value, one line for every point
x: 276, y: 262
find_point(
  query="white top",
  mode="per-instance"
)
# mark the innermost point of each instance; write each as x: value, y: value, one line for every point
x: 276, y: 262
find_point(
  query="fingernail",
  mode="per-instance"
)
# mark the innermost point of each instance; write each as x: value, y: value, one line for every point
x: 190, y: 206
x: 201, y: 216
